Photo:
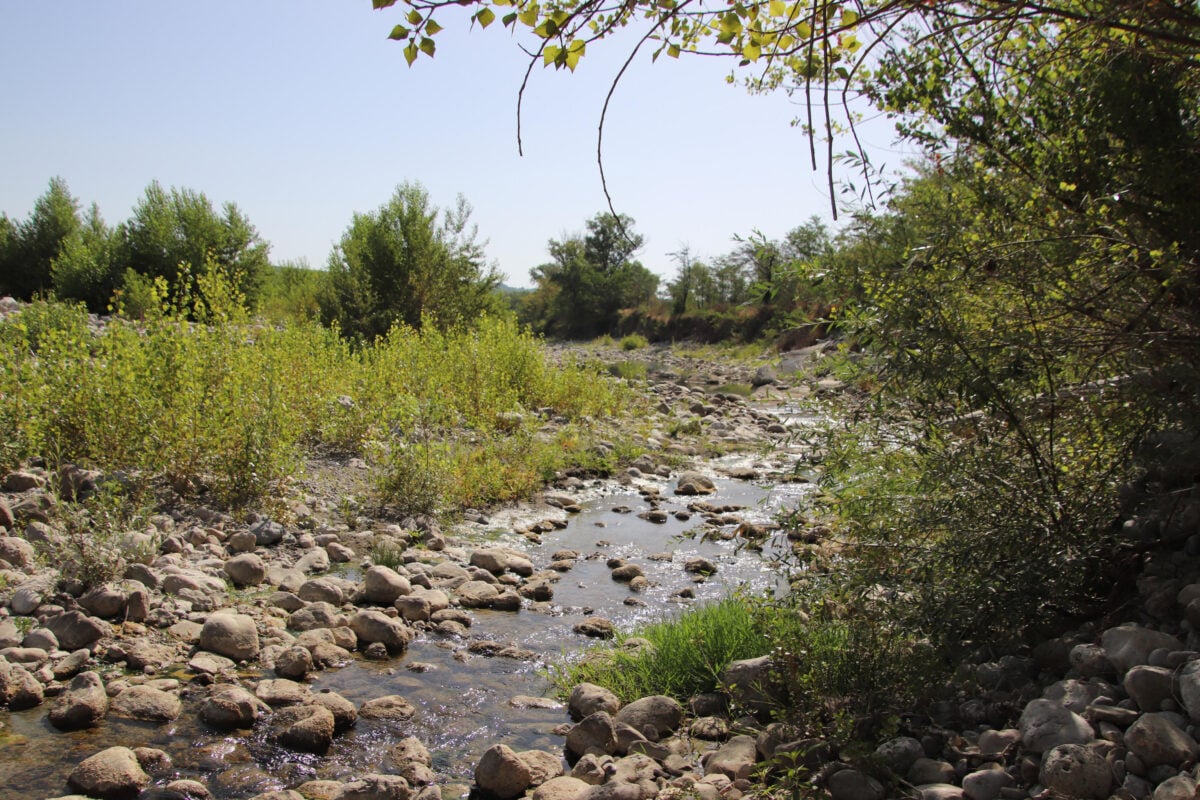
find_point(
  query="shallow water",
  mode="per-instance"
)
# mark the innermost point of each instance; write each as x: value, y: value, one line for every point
x: 463, y: 700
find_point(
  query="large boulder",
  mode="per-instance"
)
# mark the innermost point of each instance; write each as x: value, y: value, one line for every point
x: 83, y: 704
x: 231, y: 635
x: 382, y: 585
x: 75, y: 630
x: 735, y: 759
x: 246, y: 569
x: 1129, y: 645
x: 17, y: 552
x: 1073, y: 770
x: 1156, y: 739
x: 18, y: 688
x: 654, y: 717
x: 588, y: 698
x: 694, y: 483
x: 502, y: 773
x: 375, y: 626
x: 308, y: 729
x: 375, y: 787
x: 114, y: 772
x: 1045, y: 724
x: 596, y: 734
x: 146, y: 703
x: 233, y: 707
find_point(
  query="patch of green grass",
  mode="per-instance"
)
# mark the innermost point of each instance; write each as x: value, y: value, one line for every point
x: 629, y: 370
x: 739, y: 389
x: 634, y: 341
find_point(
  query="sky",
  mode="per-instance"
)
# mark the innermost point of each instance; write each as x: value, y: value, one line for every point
x: 303, y: 113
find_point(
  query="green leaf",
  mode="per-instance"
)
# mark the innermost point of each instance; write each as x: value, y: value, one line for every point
x: 575, y: 51
x: 485, y: 17
x: 428, y: 46
x: 377, y: 4
x: 777, y: 8
x: 432, y: 28
x: 550, y: 54
x: 803, y: 30
x: 849, y: 18
x: 509, y: 19
x: 410, y: 53
x: 673, y: 50
x: 529, y: 16
x: 752, y: 52
x: 414, y: 17
x: 398, y: 32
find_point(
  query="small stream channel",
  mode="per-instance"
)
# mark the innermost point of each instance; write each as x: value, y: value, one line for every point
x: 465, y: 702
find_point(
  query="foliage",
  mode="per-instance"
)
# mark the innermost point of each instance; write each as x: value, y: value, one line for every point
x: 85, y: 267
x: 633, y: 342
x: 95, y: 540
x: 29, y: 248
x: 176, y: 233
x: 590, y: 278
x: 407, y: 263
x: 291, y: 292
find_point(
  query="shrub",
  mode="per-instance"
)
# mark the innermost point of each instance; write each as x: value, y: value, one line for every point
x: 633, y: 341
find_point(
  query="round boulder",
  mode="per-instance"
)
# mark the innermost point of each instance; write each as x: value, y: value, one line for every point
x: 502, y: 773
x: 1073, y: 770
x: 114, y: 772
x: 231, y: 635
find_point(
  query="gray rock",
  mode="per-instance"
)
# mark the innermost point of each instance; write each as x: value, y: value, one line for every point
x: 315, y: 560
x: 246, y: 569
x: 75, y: 630
x: 147, y: 704
x: 939, y: 791
x: 900, y: 753
x: 282, y: 692
x: 345, y: 715
x: 985, y: 784
x: 114, y: 772
x: 17, y: 552
x: 501, y: 773
x: 1073, y: 770
x: 308, y: 729
x: 321, y: 590
x: 414, y: 608
x: 83, y: 704
x: 1150, y: 686
x: 929, y: 770
x: 267, y: 533
x: 1045, y: 724
x: 1180, y: 787
x: 596, y: 734
x: 383, y: 585
x: 563, y: 788
x: 753, y: 684
x: 313, y: 616
x: 389, y: 707
x: 233, y: 707
x: 694, y: 483
x: 231, y: 635
x: 588, y: 698
x: 1129, y: 645
x: 294, y: 663
x: 19, y: 689
x: 542, y: 766
x: 376, y: 787
x: 1189, y: 688
x: 850, y: 784
x: 654, y: 717
x: 1158, y: 740
x: 375, y: 626
x: 735, y: 759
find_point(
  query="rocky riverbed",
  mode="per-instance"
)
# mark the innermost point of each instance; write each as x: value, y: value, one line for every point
x: 321, y: 652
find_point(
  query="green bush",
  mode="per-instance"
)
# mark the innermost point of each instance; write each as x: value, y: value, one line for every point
x: 633, y: 341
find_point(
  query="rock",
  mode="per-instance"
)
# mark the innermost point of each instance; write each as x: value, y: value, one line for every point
x: 376, y: 787
x: 22, y: 481
x: 75, y: 630
x: 189, y: 789
x: 752, y: 683
x: 313, y: 616
x: 1045, y: 724
x: 1189, y: 688
x: 19, y: 690
x: 627, y: 572
x: 282, y: 692
x: 699, y: 566
x: 694, y: 483
x: 267, y: 533
x: 321, y: 590
x: 985, y: 784
x: 764, y: 376
x: 653, y: 717
x: 146, y: 703
x: 308, y: 729
x: 735, y: 759
x: 595, y: 734
x: 1073, y: 770
x: 414, y: 608
x: 17, y: 552
x: 233, y: 707
x: 294, y: 663
x: 929, y: 770
x: 392, y: 707
x: 900, y: 753
x: 382, y: 585
x: 1156, y: 739
x: 501, y: 773
x: 375, y: 626
x: 1150, y: 686
x: 1090, y: 661
x: 83, y: 704
x: 850, y: 784
x: 209, y: 663
x: 114, y: 772
x: 231, y: 635
x: 542, y: 766
x: 1129, y: 645
x: 315, y: 560
x: 564, y: 788
x: 596, y: 627
x: 246, y: 569
x: 588, y: 698
x: 1180, y: 787
x: 345, y: 715
x: 939, y: 791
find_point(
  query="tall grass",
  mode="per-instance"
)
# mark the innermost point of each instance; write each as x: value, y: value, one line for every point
x: 232, y: 405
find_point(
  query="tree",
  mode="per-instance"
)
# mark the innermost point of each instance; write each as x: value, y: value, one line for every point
x: 25, y: 267
x: 591, y: 277
x: 174, y: 233
x: 408, y: 263
x: 86, y: 267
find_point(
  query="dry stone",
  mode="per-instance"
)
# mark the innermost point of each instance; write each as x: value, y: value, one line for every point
x: 502, y: 773
x: 1073, y: 770
x: 231, y: 635
x: 114, y: 772
x: 1158, y: 740
x: 588, y: 698
x: 1045, y: 724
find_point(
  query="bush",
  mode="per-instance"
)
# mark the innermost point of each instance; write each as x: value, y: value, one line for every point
x: 633, y: 341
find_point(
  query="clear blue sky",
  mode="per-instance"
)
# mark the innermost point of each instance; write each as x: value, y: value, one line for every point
x: 302, y: 112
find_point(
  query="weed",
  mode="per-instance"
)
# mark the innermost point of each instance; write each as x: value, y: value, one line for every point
x: 634, y: 341
x: 629, y: 370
